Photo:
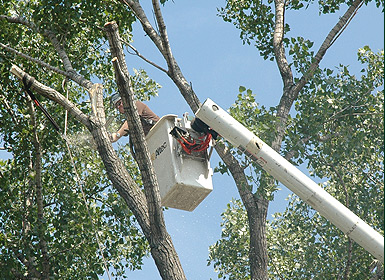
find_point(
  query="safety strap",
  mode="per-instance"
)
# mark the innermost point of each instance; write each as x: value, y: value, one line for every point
x: 188, y: 143
x: 27, y: 87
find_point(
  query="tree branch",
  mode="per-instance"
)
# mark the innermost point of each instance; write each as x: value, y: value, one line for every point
x: 53, y: 95
x: 35, y: 60
x: 163, y: 33
x: 174, y: 71
x: 79, y: 79
x: 70, y: 72
x: 192, y: 100
x: 291, y: 91
x: 144, y: 58
x: 46, y: 33
x: 147, y: 27
x: 135, y: 127
x: 327, y: 43
x: 162, y: 249
x: 279, y: 50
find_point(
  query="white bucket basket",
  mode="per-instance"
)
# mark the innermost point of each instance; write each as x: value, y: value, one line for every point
x: 184, y: 180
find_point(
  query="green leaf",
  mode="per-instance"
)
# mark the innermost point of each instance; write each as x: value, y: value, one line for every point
x: 241, y: 89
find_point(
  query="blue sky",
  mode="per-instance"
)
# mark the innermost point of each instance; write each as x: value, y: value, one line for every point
x: 212, y: 56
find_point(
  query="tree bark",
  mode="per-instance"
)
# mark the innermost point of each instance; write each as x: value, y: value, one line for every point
x: 162, y: 248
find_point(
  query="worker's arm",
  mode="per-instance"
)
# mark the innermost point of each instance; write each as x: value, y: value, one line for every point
x: 121, y: 132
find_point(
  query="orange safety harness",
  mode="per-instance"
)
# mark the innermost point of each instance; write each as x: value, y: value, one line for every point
x: 188, y: 143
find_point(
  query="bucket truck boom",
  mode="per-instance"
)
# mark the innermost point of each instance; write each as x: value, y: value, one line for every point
x: 282, y: 170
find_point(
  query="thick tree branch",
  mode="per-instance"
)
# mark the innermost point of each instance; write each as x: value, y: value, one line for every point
x: 163, y: 33
x: 52, y: 94
x: 162, y: 248
x: 138, y: 11
x: 35, y: 60
x: 174, y: 71
x: 252, y: 206
x: 279, y: 49
x: 79, y: 79
x: 256, y: 212
x: 135, y: 127
x: 46, y: 33
x: 286, y: 74
x: 142, y: 154
x: 70, y: 72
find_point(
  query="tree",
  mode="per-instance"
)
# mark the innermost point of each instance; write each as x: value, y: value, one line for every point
x: 70, y: 39
x: 344, y: 144
x: 65, y: 41
x: 265, y: 26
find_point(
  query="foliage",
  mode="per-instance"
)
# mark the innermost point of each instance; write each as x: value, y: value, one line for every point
x: 260, y: 121
x: 230, y: 254
x: 66, y: 226
x: 255, y: 20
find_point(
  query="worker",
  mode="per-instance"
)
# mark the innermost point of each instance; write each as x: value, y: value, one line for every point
x: 147, y: 117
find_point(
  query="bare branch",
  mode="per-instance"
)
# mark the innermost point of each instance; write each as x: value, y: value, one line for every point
x: 163, y: 33
x: 144, y: 58
x: 35, y: 60
x: 137, y: 9
x: 71, y: 75
x: 135, y: 127
x: 291, y: 91
x: 327, y: 43
x: 70, y: 72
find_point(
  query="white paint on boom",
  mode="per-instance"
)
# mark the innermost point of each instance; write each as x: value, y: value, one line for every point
x: 282, y: 170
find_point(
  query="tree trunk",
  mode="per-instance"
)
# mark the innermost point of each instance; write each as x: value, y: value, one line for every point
x: 258, y: 245
x: 162, y: 248
x: 258, y: 261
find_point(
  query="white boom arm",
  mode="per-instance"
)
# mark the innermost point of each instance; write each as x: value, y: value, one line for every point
x: 282, y: 170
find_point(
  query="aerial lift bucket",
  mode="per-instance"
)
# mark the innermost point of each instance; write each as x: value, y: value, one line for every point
x: 184, y: 179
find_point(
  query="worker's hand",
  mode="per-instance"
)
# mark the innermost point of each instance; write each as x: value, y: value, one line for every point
x: 114, y: 137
